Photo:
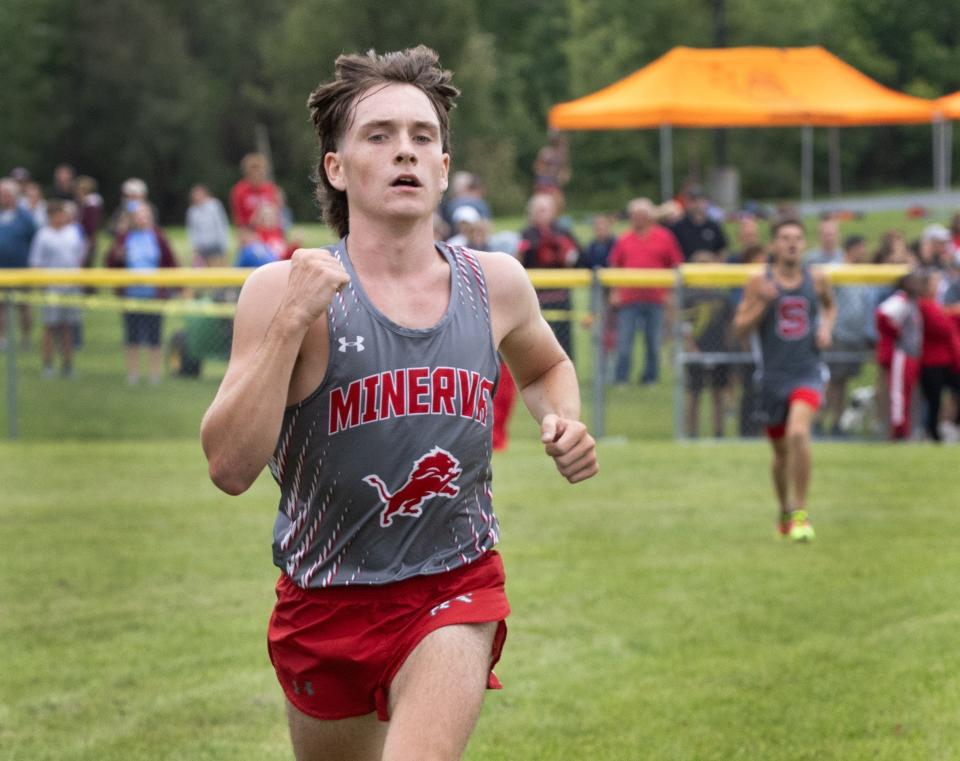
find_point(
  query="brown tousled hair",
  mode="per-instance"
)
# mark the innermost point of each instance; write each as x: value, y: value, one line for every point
x: 332, y: 104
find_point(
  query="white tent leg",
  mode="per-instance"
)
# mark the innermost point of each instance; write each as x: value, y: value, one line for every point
x: 947, y: 155
x: 666, y: 163
x: 836, y: 180
x: 937, y: 158
x: 806, y: 163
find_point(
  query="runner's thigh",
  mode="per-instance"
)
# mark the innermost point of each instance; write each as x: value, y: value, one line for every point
x: 359, y: 738
x: 436, y: 696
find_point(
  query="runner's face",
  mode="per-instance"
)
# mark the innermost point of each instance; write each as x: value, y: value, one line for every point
x: 390, y: 161
x: 789, y: 244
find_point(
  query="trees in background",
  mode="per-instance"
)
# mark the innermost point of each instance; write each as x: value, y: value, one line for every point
x: 176, y: 91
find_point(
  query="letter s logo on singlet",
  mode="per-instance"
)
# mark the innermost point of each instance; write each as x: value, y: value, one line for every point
x: 793, y: 318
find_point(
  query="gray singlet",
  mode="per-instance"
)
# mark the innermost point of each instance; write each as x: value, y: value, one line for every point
x: 784, y: 345
x: 384, y: 470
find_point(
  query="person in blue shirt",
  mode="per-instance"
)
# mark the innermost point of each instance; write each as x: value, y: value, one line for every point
x: 142, y: 247
x: 17, y: 228
x: 597, y: 251
x: 254, y: 252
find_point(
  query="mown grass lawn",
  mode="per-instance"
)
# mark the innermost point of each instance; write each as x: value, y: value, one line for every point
x: 654, y: 615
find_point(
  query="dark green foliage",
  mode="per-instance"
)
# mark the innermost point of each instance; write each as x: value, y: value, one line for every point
x: 175, y: 92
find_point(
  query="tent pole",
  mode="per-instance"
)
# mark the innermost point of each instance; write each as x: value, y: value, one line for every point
x: 935, y: 137
x: 943, y: 156
x: 834, y: 162
x: 947, y: 154
x: 806, y: 163
x: 666, y: 163
x: 942, y: 132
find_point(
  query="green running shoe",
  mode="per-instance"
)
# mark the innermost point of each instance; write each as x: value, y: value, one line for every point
x: 783, y: 526
x: 801, y: 530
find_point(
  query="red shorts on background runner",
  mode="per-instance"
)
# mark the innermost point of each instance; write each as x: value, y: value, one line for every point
x: 336, y: 650
x: 803, y: 394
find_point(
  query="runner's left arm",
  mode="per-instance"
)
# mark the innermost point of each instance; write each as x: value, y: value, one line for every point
x: 542, y: 370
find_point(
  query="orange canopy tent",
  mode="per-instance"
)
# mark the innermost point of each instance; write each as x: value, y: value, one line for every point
x: 949, y: 106
x: 742, y: 87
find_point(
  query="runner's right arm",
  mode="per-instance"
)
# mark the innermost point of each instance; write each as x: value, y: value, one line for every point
x: 757, y: 295
x: 278, y: 305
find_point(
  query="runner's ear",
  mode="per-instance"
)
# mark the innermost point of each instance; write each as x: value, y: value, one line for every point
x: 334, y: 170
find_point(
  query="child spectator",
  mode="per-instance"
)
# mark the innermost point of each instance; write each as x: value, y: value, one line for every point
x: 58, y: 245
x: 142, y: 247
x: 268, y: 224
x: 253, y: 251
x: 207, y: 228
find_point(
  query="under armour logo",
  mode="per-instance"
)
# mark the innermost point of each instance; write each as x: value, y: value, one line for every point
x: 467, y: 598
x: 344, y: 343
x: 307, y: 688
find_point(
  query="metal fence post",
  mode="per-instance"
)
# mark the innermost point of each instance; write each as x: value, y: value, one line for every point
x: 598, y: 309
x: 678, y: 357
x: 11, y: 352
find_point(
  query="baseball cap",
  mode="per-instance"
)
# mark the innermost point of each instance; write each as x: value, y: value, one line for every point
x: 937, y: 233
x: 134, y: 187
x: 466, y: 214
x: 696, y: 191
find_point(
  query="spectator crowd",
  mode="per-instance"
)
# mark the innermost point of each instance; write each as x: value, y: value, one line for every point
x: 913, y: 329
x: 62, y: 228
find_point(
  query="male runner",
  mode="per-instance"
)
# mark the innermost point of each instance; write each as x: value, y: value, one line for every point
x: 790, y: 311
x: 363, y: 376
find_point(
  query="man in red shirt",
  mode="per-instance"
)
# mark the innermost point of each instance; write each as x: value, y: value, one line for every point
x: 650, y: 246
x: 253, y: 191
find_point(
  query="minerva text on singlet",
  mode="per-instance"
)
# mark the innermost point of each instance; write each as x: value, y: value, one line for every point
x: 410, y: 391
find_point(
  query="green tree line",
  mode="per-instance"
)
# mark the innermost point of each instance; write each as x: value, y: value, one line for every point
x: 176, y: 91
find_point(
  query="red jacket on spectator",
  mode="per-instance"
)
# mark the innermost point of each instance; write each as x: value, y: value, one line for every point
x: 941, y: 341
x: 657, y: 248
x: 548, y: 248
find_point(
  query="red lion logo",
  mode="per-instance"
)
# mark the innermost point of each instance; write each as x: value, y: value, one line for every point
x: 432, y: 476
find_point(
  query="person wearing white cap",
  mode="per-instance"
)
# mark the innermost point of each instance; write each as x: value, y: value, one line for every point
x: 464, y: 218
x: 936, y: 246
x: 133, y: 192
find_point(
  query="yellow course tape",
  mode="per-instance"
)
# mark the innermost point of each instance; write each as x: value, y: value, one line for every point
x: 693, y: 275
x: 115, y: 304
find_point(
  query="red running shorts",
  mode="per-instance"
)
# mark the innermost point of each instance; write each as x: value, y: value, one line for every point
x: 336, y: 650
x: 809, y: 396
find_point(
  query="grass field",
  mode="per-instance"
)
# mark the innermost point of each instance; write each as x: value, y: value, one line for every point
x: 654, y: 616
